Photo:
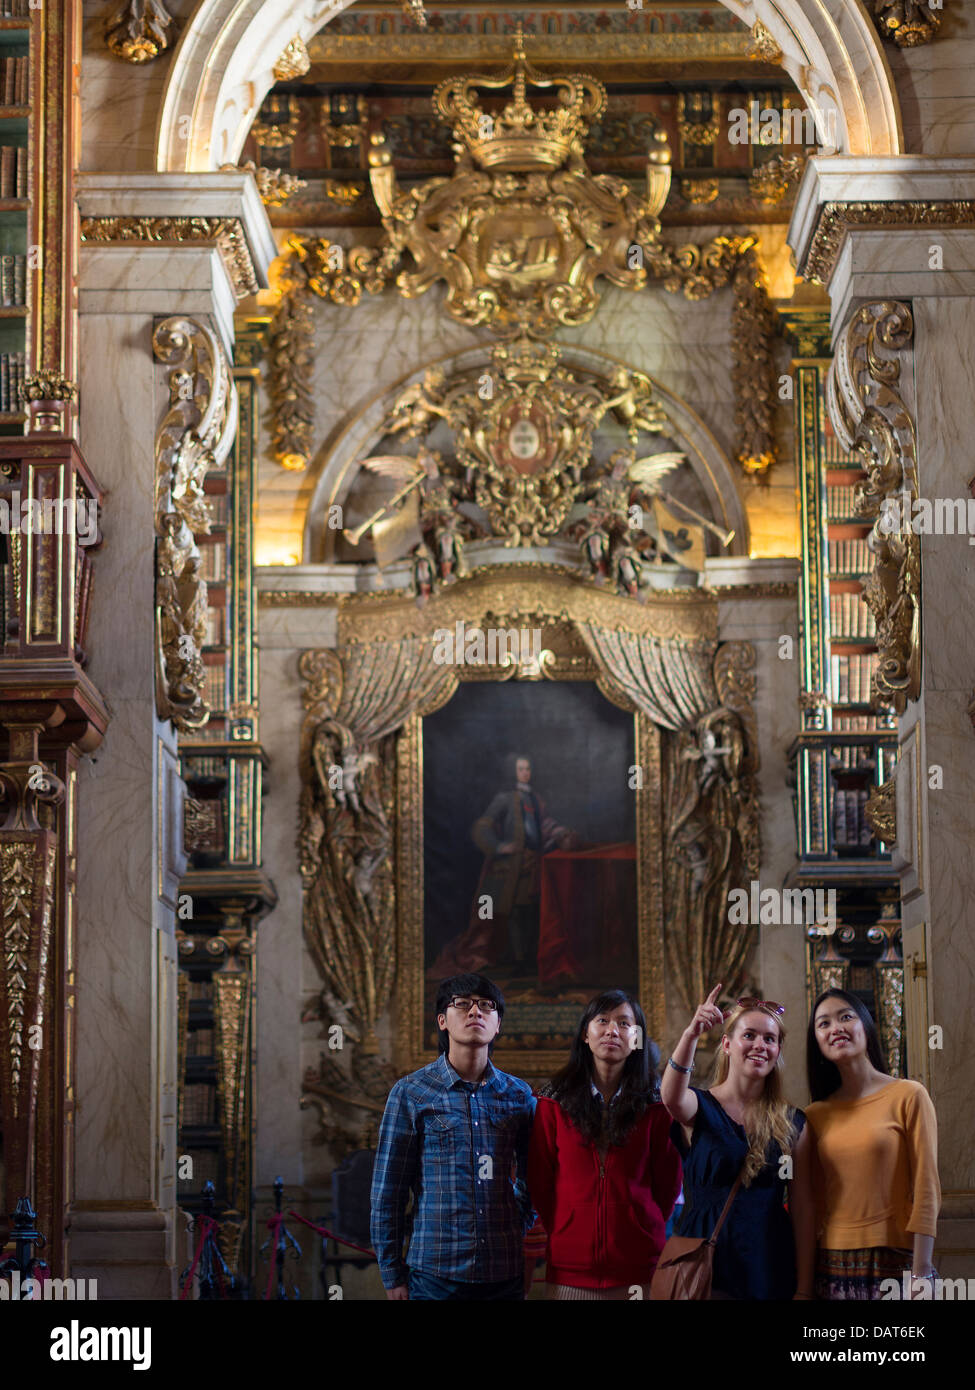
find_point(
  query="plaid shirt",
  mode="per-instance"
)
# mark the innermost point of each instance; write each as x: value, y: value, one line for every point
x: 462, y: 1150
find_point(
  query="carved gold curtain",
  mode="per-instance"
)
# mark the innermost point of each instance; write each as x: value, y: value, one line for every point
x: 670, y: 680
x: 345, y: 845
x: 710, y: 799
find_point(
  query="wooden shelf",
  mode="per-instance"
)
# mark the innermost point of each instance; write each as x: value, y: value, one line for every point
x: 14, y: 113
x: 23, y: 24
x: 13, y: 311
x: 14, y: 205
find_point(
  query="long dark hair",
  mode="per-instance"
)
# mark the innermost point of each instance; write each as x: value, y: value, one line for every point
x: 572, y: 1086
x: 824, y: 1075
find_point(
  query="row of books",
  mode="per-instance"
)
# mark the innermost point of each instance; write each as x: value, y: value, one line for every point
x: 849, y: 616
x: 853, y: 756
x: 839, y: 503
x: 844, y: 723
x: 202, y: 768
x: 200, y: 1104
x: 13, y: 280
x: 212, y: 732
x: 218, y: 507
x: 13, y: 371
x: 215, y: 687
x: 213, y: 561
x: 850, y: 678
x: 199, y: 1042
x: 849, y: 556
x: 16, y: 9
x: 836, y: 456
x: 850, y: 826
x: 14, y: 79
x: 856, y: 723
x: 215, y: 628
x: 13, y: 171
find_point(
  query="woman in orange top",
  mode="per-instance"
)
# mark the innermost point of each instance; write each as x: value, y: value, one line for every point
x: 875, y: 1160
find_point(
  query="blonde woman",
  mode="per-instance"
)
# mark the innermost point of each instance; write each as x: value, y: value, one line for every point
x: 743, y: 1124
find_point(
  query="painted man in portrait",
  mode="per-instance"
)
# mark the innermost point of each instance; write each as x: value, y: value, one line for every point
x: 513, y: 834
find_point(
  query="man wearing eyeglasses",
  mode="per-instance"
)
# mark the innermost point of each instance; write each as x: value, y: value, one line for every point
x: 455, y: 1134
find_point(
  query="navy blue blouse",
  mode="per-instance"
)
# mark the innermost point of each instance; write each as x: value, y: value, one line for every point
x: 755, y: 1253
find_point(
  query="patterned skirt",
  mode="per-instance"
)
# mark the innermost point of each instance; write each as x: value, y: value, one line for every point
x: 564, y: 1293
x: 859, y: 1273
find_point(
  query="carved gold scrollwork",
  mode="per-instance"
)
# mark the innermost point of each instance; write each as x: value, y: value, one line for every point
x: 521, y: 234
x: 763, y: 46
x: 291, y: 358
x: 770, y: 182
x: 881, y: 811
x: 226, y: 233
x: 908, y: 22
x: 137, y: 30
x: 345, y: 849
x: 835, y: 219
x: 294, y: 61
x: 231, y: 1020
x: 28, y: 859
x: 871, y: 417
x: 195, y: 435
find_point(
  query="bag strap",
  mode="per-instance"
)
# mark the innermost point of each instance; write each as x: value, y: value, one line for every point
x: 727, y: 1207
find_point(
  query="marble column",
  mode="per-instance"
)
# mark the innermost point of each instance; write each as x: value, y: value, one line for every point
x: 124, y: 1225
x: 912, y: 250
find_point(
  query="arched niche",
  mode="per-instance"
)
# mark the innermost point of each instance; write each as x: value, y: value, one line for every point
x: 222, y: 70
x: 337, y: 463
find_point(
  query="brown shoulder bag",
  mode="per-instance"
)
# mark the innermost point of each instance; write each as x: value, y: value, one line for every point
x: 686, y: 1265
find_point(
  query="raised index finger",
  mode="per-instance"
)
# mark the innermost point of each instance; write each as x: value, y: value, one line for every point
x: 713, y: 996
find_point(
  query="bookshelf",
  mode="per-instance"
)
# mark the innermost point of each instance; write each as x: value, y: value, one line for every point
x: 16, y: 259
x: 224, y: 768
x: 846, y: 747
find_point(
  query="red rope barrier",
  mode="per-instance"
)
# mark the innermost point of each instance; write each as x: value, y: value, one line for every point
x: 206, y: 1224
x: 332, y: 1236
x: 274, y: 1223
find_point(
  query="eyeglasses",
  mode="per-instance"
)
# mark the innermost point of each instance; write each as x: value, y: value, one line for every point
x: 768, y: 1004
x: 486, y: 1006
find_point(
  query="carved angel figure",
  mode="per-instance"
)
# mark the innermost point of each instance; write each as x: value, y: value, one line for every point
x: 417, y: 407
x: 615, y: 547
x: 422, y: 518
x: 634, y: 404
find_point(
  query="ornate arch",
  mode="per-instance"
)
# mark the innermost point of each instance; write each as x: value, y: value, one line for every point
x: 337, y: 461
x: 222, y: 70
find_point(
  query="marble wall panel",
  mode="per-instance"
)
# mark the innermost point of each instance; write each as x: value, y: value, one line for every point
x: 779, y: 966
x: 283, y: 1133
x: 935, y: 85
x: 120, y: 101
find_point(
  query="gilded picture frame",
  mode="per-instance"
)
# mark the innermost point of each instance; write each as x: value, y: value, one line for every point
x: 565, y: 658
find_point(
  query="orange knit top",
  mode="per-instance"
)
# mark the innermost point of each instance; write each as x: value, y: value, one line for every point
x: 876, y: 1168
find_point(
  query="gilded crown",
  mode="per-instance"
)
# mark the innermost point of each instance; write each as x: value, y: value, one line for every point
x: 520, y: 138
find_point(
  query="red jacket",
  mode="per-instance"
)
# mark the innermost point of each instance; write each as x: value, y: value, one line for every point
x: 605, y: 1218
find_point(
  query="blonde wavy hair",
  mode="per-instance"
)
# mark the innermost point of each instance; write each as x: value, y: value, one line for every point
x: 768, y: 1118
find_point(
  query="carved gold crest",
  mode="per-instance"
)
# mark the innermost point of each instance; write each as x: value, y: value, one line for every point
x: 522, y: 230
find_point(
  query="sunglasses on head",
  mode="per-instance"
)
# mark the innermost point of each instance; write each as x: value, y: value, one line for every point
x: 768, y: 1004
